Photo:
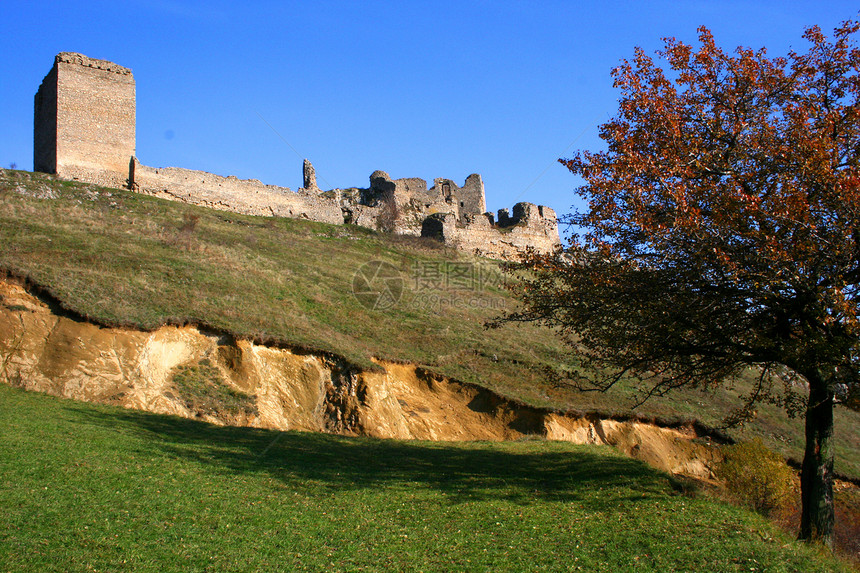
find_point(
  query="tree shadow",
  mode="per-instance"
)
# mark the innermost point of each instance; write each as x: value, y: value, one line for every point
x: 463, y: 472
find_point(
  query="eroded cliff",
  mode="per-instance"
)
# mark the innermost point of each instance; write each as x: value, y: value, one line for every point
x: 286, y: 389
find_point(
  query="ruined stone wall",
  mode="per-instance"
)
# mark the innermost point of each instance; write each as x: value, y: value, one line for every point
x: 414, y: 202
x: 248, y: 196
x: 84, y: 128
x: 403, y: 206
x: 472, y: 195
x: 532, y: 227
x: 468, y: 199
x: 404, y: 201
x: 85, y: 120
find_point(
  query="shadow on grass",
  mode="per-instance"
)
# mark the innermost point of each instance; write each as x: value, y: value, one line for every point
x: 518, y: 473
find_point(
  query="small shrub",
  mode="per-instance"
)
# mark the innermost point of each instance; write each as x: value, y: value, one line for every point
x: 756, y: 477
x: 181, y: 235
x: 189, y: 222
x: 389, y: 213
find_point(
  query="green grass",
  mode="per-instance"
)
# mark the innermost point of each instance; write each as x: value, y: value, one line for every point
x: 97, y: 488
x: 201, y: 386
x: 124, y: 258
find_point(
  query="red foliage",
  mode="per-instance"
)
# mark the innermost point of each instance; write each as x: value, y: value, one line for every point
x: 722, y: 232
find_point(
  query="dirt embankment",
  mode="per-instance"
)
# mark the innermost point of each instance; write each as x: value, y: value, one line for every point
x: 288, y: 390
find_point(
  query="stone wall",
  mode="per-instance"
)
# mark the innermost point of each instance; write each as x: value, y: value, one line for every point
x: 248, y: 196
x: 404, y: 206
x: 414, y: 202
x: 468, y: 199
x: 533, y: 226
x: 84, y: 128
x: 85, y: 120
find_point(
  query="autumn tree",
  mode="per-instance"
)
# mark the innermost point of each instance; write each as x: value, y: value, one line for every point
x: 722, y: 236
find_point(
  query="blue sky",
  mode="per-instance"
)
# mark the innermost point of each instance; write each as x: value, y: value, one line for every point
x: 417, y: 89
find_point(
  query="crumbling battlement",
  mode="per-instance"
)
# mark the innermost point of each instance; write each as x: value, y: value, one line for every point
x: 532, y: 226
x: 85, y: 129
x: 82, y: 60
x: 412, y: 201
x: 445, y: 195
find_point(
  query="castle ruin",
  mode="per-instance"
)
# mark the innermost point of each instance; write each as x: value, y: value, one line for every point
x: 84, y: 129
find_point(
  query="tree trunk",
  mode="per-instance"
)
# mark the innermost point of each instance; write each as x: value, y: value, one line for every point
x: 816, y: 477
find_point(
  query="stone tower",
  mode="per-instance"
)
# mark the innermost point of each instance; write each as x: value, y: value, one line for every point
x: 85, y: 121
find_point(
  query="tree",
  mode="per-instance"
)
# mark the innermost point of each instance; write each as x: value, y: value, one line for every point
x: 722, y: 233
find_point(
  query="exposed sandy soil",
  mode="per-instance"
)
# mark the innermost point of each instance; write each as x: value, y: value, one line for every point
x: 64, y: 356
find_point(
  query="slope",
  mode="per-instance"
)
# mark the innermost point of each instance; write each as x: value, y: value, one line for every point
x: 120, y: 258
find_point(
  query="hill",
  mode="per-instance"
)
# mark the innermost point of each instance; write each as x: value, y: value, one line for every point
x: 99, y: 488
x: 120, y: 258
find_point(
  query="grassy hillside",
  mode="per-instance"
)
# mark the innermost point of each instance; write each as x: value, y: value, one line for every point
x: 123, y: 258
x: 96, y: 488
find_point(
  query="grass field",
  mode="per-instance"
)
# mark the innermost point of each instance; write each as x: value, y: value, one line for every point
x: 97, y: 488
x: 123, y: 258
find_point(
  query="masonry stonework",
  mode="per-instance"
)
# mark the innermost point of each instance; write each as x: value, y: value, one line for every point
x: 533, y: 226
x: 309, y: 176
x: 85, y: 120
x: 84, y: 129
